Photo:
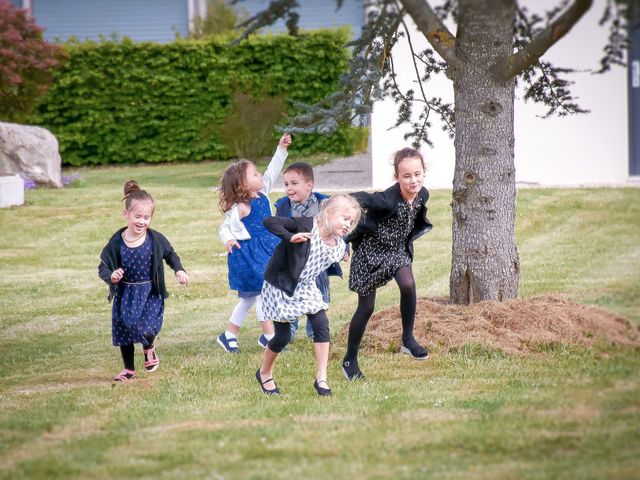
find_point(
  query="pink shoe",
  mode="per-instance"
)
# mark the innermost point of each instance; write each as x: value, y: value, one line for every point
x: 151, y: 360
x: 125, y: 376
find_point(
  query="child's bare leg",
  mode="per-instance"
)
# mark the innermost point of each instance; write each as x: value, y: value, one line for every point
x: 266, y: 369
x: 280, y: 340
x: 267, y: 327
x: 322, y: 359
x: 321, y: 337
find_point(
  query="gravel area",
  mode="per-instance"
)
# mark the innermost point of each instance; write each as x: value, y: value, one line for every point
x: 343, y: 174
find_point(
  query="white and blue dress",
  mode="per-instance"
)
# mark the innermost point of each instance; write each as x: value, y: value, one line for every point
x: 247, y: 263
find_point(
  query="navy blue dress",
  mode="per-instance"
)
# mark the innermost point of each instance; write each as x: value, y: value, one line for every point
x: 247, y: 264
x: 137, y: 311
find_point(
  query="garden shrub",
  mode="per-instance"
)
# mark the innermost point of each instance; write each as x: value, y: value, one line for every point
x: 26, y: 63
x: 126, y: 102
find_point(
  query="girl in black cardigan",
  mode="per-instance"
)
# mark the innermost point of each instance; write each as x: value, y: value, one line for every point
x: 309, y: 245
x: 131, y: 264
x: 383, y: 249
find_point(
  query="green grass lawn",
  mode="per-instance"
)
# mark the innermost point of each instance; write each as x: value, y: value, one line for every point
x: 567, y: 413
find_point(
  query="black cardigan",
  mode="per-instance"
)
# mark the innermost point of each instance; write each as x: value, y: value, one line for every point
x: 288, y: 259
x: 161, y: 248
x: 380, y: 206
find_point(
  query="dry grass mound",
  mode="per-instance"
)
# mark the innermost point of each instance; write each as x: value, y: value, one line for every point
x: 515, y: 327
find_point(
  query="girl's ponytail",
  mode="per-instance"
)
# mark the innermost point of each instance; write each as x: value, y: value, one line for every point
x: 132, y: 191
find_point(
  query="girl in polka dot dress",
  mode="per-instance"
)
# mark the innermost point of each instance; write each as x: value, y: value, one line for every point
x: 131, y: 264
x: 383, y: 250
x: 308, y: 246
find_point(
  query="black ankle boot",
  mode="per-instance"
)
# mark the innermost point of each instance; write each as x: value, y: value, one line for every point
x: 351, y: 370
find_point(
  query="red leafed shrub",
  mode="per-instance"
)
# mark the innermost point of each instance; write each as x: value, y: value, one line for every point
x: 26, y: 63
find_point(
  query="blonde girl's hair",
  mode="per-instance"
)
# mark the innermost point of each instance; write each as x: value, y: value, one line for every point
x: 329, y: 206
x: 132, y: 191
x: 232, y: 185
x: 403, y: 154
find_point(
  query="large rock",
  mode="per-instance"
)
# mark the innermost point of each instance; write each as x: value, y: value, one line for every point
x: 31, y: 152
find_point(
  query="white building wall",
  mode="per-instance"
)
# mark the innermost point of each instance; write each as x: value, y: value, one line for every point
x: 589, y: 149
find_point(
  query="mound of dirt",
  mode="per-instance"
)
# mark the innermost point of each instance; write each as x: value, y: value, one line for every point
x: 514, y: 326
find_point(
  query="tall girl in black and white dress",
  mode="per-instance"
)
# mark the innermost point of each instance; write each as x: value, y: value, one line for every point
x: 383, y: 249
x: 309, y: 245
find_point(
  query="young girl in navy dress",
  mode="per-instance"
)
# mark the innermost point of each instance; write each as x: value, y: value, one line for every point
x: 383, y: 249
x: 309, y: 245
x: 244, y: 202
x: 131, y: 264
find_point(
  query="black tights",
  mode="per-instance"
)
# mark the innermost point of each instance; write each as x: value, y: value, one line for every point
x: 319, y: 323
x: 127, y: 352
x: 366, y: 304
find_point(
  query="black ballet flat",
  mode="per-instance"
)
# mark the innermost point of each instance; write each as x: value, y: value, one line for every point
x: 323, y: 392
x: 275, y: 391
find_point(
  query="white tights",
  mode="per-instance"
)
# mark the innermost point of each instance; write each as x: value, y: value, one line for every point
x: 241, y: 310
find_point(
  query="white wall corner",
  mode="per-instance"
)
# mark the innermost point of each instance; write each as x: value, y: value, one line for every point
x: 11, y: 191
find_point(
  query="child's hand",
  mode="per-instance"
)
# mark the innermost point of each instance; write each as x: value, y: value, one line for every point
x: 183, y: 278
x: 285, y: 141
x: 346, y: 256
x: 117, y: 275
x: 300, y: 237
x: 230, y: 244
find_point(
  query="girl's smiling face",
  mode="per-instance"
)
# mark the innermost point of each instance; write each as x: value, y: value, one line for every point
x: 410, y: 177
x: 138, y: 217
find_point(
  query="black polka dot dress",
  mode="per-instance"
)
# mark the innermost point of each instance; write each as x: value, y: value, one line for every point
x: 383, y: 252
x: 307, y: 297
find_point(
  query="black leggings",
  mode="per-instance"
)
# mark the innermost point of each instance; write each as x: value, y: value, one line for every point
x: 127, y: 352
x: 319, y: 323
x: 366, y: 304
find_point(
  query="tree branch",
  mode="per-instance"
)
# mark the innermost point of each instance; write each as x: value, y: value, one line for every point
x: 276, y: 10
x: 432, y: 28
x: 532, y: 52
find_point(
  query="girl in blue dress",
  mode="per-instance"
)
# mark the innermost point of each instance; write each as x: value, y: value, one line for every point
x: 131, y: 264
x: 244, y: 202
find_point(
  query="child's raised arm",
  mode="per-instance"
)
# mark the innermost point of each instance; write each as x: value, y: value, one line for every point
x: 285, y: 141
x: 276, y: 163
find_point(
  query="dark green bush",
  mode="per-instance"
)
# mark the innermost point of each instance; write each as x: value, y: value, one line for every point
x: 117, y: 102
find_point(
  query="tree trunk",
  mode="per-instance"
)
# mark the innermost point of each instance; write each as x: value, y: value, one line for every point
x: 485, y: 263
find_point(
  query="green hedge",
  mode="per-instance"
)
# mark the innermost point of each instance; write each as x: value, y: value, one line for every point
x: 126, y: 102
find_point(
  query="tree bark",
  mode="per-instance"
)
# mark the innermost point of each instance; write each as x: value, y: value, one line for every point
x: 485, y: 262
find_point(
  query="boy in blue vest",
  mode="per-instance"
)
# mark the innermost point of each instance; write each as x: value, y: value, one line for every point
x: 302, y: 201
